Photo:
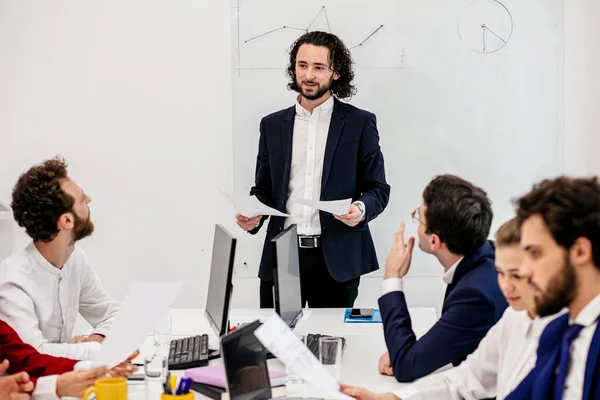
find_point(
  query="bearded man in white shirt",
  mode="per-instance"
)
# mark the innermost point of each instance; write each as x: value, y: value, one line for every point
x: 44, y: 286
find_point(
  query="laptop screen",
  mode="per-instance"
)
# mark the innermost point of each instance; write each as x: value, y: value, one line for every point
x: 245, y: 364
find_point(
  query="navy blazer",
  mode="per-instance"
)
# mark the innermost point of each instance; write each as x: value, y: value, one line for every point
x: 472, y: 305
x: 537, y: 385
x: 352, y: 168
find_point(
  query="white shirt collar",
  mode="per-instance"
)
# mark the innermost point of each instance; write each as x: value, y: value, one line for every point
x: 323, y: 109
x: 449, y: 274
x: 45, y: 264
x: 590, y: 312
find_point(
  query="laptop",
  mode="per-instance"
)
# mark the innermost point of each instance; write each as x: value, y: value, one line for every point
x: 245, y: 364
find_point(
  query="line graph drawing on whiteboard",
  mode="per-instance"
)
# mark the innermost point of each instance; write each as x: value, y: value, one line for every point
x: 323, y: 18
x: 323, y: 11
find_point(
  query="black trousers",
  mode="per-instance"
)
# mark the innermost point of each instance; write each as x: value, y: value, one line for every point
x: 318, y: 287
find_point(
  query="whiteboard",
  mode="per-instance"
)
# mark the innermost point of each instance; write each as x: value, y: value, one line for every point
x: 492, y: 115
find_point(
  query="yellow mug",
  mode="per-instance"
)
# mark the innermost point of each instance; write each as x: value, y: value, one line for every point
x: 108, y: 389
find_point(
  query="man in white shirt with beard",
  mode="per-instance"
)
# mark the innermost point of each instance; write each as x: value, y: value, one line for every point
x: 44, y: 286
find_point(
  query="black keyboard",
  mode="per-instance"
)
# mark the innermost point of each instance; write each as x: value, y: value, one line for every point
x: 312, y: 342
x: 189, y: 352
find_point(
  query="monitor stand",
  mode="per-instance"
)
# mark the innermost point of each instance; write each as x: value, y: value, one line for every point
x: 213, y: 354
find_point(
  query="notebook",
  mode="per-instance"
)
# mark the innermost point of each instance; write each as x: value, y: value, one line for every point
x: 214, y: 375
x: 375, y: 319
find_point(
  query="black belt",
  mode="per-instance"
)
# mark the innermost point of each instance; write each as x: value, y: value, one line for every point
x: 309, y: 241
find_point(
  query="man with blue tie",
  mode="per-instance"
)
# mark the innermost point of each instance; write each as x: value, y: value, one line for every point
x: 320, y: 149
x: 454, y: 223
x: 560, y: 232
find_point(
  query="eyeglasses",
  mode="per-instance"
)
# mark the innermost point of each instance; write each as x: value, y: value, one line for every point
x: 416, y: 218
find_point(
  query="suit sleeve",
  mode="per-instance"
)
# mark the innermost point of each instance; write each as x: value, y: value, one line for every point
x: 23, y: 357
x: 262, y: 188
x: 371, y: 175
x: 456, y: 334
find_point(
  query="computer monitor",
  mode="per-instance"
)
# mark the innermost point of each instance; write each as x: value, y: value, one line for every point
x: 286, y: 276
x: 220, y: 281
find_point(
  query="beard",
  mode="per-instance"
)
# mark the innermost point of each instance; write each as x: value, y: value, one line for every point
x: 560, y: 293
x: 320, y: 90
x: 83, y: 227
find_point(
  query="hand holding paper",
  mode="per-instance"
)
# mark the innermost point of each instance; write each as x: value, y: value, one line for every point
x: 251, y: 206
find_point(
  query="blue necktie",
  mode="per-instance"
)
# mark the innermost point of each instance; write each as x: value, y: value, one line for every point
x: 563, y: 366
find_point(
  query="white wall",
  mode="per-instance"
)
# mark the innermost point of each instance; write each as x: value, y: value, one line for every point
x: 137, y: 96
x: 582, y: 87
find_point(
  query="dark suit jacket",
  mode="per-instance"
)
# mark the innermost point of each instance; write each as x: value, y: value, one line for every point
x: 352, y: 168
x: 539, y: 384
x: 472, y: 305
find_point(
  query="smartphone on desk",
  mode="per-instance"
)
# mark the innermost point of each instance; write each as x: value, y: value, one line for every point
x: 358, y: 313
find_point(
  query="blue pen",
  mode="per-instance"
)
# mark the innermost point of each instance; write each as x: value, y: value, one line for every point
x: 187, y: 384
x: 180, y: 387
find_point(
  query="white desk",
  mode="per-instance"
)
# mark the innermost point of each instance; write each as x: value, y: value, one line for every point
x: 364, y: 342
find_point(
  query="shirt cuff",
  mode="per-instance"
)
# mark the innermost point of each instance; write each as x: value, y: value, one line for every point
x: 408, y: 393
x: 83, y: 365
x: 45, y: 388
x: 391, y: 285
x: 101, y: 331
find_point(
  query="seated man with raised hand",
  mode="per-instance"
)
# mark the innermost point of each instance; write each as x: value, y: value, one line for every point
x: 44, y: 286
x: 45, y: 377
x: 454, y: 223
x: 505, y: 355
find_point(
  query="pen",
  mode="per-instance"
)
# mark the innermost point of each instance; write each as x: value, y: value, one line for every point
x: 173, y: 383
x: 187, y: 385
x: 180, y: 387
x: 166, y: 388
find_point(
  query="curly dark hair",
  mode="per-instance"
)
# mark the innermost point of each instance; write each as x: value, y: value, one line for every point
x: 570, y: 208
x: 38, y: 200
x: 340, y: 62
x: 459, y: 212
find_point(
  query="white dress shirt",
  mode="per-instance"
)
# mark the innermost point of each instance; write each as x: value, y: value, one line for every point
x: 308, y: 151
x: 588, y: 317
x: 41, y: 302
x: 503, y: 358
x: 396, y: 285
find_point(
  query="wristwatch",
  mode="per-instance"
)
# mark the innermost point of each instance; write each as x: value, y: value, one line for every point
x: 361, y: 207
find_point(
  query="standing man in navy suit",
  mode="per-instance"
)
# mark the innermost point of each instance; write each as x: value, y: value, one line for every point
x: 560, y: 233
x: 320, y: 149
x: 454, y: 223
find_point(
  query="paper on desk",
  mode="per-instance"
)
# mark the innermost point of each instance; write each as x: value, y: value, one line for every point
x: 337, y: 207
x: 144, y: 306
x: 251, y: 206
x: 276, y: 336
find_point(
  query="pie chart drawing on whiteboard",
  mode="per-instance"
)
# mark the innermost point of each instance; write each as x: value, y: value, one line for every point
x: 485, y: 26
